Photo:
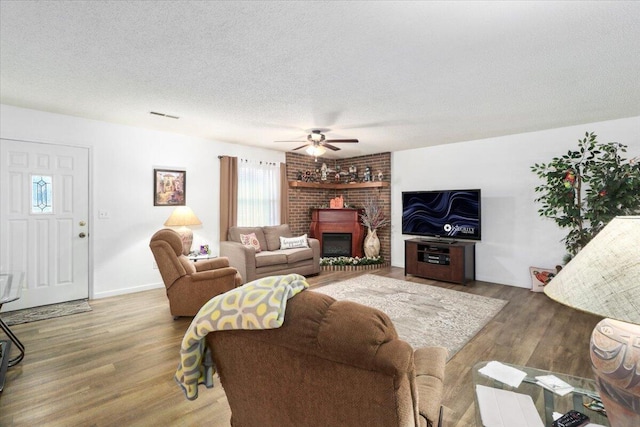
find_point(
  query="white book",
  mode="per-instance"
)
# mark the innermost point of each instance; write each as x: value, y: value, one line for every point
x: 554, y: 384
x: 503, y: 408
x: 503, y: 373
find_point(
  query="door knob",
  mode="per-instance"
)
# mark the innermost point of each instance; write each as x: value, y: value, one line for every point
x: 82, y: 235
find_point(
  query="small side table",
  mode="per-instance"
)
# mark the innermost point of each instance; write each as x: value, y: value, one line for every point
x: 196, y: 258
x: 10, y: 288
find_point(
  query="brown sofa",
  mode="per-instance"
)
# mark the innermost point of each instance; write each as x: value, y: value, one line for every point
x: 271, y: 260
x: 189, y: 285
x: 332, y: 363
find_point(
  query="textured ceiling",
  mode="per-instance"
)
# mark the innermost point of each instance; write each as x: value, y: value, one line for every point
x: 396, y: 75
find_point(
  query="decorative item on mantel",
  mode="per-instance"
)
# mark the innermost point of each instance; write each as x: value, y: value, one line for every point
x: 309, y: 176
x: 324, y: 171
x: 367, y: 174
x: 373, y: 218
x: 353, y: 174
x: 336, y: 203
x: 604, y: 279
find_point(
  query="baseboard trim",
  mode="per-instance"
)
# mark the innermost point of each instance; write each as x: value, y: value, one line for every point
x: 116, y: 292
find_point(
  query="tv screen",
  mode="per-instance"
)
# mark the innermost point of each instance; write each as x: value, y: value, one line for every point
x: 451, y: 214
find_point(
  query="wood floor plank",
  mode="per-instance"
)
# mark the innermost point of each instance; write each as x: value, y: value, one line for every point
x: 115, y: 364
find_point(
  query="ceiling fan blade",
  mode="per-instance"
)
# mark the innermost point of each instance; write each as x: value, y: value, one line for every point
x: 342, y: 140
x: 297, y: 140
x: 302, y: 146
x: 330, y: 147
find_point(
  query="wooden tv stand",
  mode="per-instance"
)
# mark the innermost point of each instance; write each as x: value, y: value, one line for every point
x: 448, y: 262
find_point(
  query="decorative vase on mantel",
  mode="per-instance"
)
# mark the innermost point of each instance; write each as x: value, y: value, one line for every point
x: 371, y: 244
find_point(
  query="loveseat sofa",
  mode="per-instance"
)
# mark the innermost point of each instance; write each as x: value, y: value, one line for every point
x: 258, y: 252
x: 331, y: 363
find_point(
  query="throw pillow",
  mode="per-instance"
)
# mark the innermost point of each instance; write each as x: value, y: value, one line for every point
x: 540, y: 277
x: 272, y: 234
x: 294, y: 242
x: 250, y: 240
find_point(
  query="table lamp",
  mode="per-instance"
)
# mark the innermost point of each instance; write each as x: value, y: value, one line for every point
x: 182, y: 217
x: 604, y: 279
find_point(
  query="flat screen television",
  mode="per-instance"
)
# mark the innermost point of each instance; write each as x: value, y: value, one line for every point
x: 443, y: 214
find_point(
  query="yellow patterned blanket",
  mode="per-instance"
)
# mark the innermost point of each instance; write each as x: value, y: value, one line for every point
x: 255, y: 305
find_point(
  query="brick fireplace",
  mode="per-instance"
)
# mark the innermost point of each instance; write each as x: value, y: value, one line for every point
x: 338, y: 225
x: 303, y: 201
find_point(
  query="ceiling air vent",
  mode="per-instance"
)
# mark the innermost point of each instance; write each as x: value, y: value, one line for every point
x: 169, y: 116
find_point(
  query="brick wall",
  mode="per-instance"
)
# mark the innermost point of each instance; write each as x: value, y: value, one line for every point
x: 302, y: 200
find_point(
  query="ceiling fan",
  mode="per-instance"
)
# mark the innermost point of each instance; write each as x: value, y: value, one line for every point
x: 317, y: 143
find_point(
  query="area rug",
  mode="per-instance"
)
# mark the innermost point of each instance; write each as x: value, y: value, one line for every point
x: 45, y: 312
x: 423, y: 315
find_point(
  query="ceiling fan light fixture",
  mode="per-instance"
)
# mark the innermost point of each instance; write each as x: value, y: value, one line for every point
x: 316, y: 150
x: 316, y: 136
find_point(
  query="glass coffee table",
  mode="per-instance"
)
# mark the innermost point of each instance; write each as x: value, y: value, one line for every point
x: 546, y: 401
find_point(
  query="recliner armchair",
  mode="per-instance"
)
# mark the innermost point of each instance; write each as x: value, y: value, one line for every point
x: 331, y: 363
x: 190, y: 284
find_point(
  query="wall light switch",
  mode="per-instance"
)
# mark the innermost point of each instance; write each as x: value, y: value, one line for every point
x: 103, y: 214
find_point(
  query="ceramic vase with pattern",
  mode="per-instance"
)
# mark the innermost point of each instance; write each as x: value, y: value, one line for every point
x: 615, y: 358
x: 371, y: 244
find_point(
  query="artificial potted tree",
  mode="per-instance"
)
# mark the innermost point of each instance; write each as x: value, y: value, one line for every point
x: 586, y: 188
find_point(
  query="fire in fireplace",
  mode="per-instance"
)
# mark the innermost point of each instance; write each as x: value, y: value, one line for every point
x: 336, y: 244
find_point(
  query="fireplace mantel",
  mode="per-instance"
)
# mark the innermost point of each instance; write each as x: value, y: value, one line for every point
x: 340, y: 186
x: 338, y: 221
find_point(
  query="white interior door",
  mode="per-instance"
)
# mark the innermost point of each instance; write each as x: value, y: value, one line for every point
x: 44, y: 213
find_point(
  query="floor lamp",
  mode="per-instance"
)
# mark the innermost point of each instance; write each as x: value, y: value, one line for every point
x: 183, y: 217
x: 604, y: 279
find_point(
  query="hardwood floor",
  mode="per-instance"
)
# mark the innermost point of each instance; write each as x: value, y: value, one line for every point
x: 115, y: 365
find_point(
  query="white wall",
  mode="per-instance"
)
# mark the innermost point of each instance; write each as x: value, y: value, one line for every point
x: 122, y: 163
x: 514, y: 236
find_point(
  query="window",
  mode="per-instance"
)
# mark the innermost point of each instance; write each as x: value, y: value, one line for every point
x: 258, y: 193
x: 41, y: 194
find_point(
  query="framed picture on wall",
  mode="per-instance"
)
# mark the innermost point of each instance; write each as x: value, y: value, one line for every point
x: 169, y: 187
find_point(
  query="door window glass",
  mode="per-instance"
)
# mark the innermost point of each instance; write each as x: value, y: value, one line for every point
x: 41, y: 194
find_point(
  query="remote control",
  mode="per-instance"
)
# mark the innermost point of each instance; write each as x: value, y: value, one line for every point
x: 571, y: 419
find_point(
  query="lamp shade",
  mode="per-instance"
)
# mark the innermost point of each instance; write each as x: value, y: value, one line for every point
x: 604, y: 277
x: 182, y: 216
